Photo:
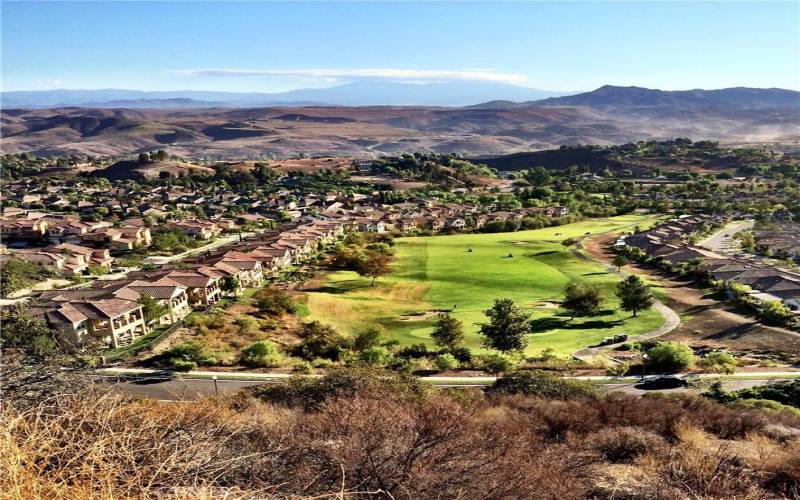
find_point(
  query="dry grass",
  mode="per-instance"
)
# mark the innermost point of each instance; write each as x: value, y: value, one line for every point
x: 365, y: 443
x: 102, y: 447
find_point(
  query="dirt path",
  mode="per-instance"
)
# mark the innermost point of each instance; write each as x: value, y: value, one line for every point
x: 706, y: 322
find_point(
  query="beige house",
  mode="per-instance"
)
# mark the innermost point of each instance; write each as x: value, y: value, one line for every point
x: 117, y: 322
x: 173, y: 297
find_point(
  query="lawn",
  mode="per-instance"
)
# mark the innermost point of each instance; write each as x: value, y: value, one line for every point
x: 439, y: 272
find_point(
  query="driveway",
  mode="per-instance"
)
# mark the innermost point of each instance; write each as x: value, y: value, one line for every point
x: 724, y: 241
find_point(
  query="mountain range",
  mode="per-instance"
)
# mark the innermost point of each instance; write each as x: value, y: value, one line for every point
x: 608, y: 115
x: 359, y: 93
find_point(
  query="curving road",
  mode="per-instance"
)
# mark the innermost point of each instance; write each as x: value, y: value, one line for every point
x: 671, y: 318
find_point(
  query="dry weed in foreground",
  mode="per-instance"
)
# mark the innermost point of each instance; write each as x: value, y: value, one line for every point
x: 77, y: 448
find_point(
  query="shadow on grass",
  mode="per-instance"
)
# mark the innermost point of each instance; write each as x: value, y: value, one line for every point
x: 544, y: 252
x: 340, y: 287
x: 554, y: 322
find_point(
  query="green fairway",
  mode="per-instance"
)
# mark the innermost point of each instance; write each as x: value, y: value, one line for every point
x: 440, y: 272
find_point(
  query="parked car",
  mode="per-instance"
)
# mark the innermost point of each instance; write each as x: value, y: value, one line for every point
x: 662, y: 382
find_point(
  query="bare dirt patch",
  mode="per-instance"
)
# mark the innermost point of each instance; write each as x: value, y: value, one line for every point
x: 705, y: 322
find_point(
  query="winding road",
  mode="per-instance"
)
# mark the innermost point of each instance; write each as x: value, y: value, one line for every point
x: 671, y: 318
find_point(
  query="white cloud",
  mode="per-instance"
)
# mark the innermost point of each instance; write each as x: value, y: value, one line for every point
x: 49, y: 83
x: 388, y: 73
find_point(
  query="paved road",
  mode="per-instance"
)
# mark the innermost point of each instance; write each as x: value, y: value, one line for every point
x: 188, y: 388
x: 723, y: 241
x: 671, y: 318
x: 227, y: 240
x: 178, y: 389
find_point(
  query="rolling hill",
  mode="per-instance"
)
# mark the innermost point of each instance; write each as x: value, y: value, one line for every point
x: 609, y: 115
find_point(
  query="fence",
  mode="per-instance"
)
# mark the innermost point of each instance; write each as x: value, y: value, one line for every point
x: 124, y: 354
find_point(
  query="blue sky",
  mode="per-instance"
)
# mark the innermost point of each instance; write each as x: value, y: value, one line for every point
x: 272, y: 47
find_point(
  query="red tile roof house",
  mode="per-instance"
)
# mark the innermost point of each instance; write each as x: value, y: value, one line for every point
x: 202, y: 290
x: 93, y: 256
x: 70, y: 265
x: 281, y: 258
x: 59, y: 231
x: 117, y: 322
x: 199, y: 229
x: 172, y: 296
x: 23, y: 229
x: 120, y: 238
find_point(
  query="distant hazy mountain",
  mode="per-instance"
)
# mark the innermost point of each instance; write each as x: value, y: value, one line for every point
x: 737, y: 97
x: 378, y: 93
x: 360, y: 93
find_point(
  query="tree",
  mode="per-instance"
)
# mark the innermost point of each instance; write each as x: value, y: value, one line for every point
x: 151, y: 308
x: 320, y: 341
x: 229, y: 284
x: 273, y: 301
x: 160, y: 155
x: 670, y: 357
x: 23, y: 330
x: 773, y: 312
x: 506, y: 328
x: 619, y: 261
x: 448, y: 331
x: 366, y: 339
x: 374, y: 264
x: 747, y: 240
x: 265, y: 174
x: 634, y: 295
x: 144, y: 158
x: 16, y: 274
x: 581, y: 299
x: 568, y: 242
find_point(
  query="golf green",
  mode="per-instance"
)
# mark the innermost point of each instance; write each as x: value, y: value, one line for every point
x: 465, y: 273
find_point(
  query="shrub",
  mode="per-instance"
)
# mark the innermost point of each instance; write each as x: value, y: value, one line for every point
x: 541, y: 384
x: 320, y: 341
x: 246, y: 325
x: 302, y: 367
x: 446, y: 362
x: 190, y: 351
x: 624, y: 444
x: 312, y: 393
x: 322, y: 363
x: 670, y: 357
x: 783, y: 391
x: 774, y: 313
x: 370, y: 337
x: 617, y: 369
x: 182, y: 365
x: 767, y: 405
x: 462, y: 354
x: 496, y: 363
x: 273, y: 301
x: 262, y: 354
x: 414, y: 351
x: 375, y: 355
x: 719, y: 362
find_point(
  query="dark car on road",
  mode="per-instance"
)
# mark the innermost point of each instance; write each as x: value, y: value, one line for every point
x: 662, y: 382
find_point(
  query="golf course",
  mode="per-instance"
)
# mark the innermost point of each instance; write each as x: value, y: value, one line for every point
x: 465, y: 273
